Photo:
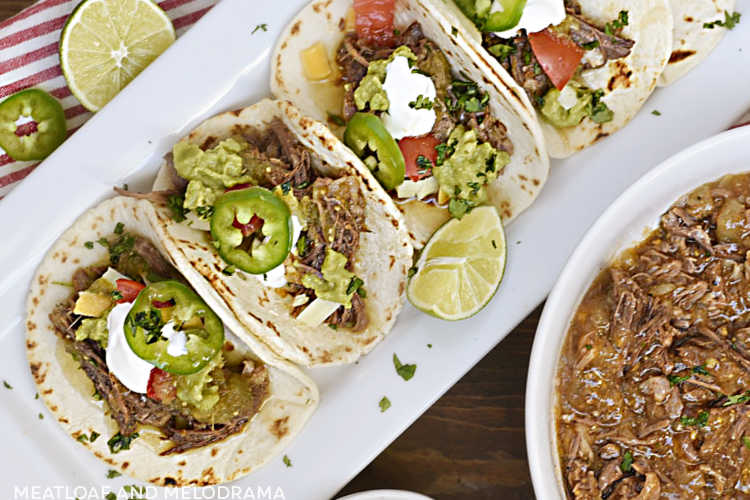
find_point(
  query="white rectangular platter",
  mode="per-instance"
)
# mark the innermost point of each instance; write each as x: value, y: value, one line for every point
x: 220, y: 64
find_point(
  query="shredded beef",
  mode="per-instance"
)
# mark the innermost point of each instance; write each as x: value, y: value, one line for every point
x: 522, y: 65
x: 610, y: 46
x: 656, y: 361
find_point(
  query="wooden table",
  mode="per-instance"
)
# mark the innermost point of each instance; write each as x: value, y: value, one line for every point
x: 471, y: 443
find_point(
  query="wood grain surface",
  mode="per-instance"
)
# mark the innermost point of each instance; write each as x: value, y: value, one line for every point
x: 470, y: 444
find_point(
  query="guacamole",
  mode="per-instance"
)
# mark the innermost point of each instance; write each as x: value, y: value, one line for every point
x: 199, y: 389
x: 210, y: 172
x: 94, y: 329
x: 370, y: 89
x: 334, y: 285
x: 467, y: 170
x: 588, y: 104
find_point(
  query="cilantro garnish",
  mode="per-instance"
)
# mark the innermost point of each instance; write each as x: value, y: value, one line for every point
x: 119, y: 228
x: 7, y: 385
x: 384, y: 404
x: 600, y: 113
x: 406, y: 372
x: 204, y: 212
x: 591, y: 45
x: 260, y: 27
x: 737, y: 399
x: 616, y: 25
x: 175, y: 202
x: 656, y: 112
x: 286, y: 461
x: 151, y: 323
x: 730, y: 21
x: 89, y: 245
x: 111, y: 474
x: 421, y: 102
x: 700, y: 420
x: 501, y: 50
x: 627, y: 462
x: 118, y: 442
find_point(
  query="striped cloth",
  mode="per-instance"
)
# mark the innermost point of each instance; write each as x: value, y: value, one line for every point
x: 28, y: 58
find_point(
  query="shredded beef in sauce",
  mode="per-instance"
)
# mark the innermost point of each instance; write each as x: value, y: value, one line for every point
x: 127, y: 408
x: 653, y: 379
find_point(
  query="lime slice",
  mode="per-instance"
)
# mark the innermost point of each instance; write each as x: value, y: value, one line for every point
x: 461, y: 266
x: 107, y: 43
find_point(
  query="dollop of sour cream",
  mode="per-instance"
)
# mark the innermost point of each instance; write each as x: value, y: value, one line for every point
x: 537, y: 15
x: 276, y: 277
x: 402, y: 86
x: 129, y: 369
x: 177, y: 340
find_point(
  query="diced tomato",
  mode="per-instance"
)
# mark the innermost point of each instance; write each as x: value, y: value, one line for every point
x: 374, y: 21
x: 414, y: 147
x: 129, y: 290
x: 237, y: 187
x: 161, y: 386
x: 162, y: 304
x: 253, y: 225
x: 558, y: 55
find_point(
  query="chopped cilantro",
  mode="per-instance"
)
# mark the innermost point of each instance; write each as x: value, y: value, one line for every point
x: 600, y: 113
x: 700, y: 369
x: 656, y: 112
x: 119, y: 228
x: 82, y: 438
x: 591, y: 45
x: 406, y: 372
x: 730, y: 21
x: 36, y: 396
x: 151, y: 323
x: 89, y: 245
x: 627, y: 462
x: 122, y: 245
x: 260, y: 27
x: 421, y: 102
x: 588, y: 347
x: 429, y: 346
x: 7, y: 385
x: 111, y: 496
x: 204, y: 212
x: 454, y: 31
x: 333, y: 326
x: 424, y: 164
x: 494, y: 245
x: 116, y: 295
x: 354, y: 285
x: 616, y: 25
x: 737, y: 399
x: 700, y: 420
x: 118, y: 442
x: 41, y: 417
x: 412, y: 271
x: 677, y: 380
x: 286, y: 461
x: 111, y: 474
x: 94, y: 436
x: 444, y: 150
x: 384, y: 404
x: 174, y: 203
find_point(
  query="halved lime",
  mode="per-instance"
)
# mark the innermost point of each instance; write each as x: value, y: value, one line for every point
x: 461, y: 266
x: 107, y: 43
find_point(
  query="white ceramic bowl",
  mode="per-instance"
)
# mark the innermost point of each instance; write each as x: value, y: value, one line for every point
x: 385, y: 495
x: 635, y: 213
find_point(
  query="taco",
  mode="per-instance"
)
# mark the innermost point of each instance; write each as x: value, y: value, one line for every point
x: 288, y: 227
x: 141, y: 370
x: 586, y: 66
x: 699, y: 26
x: 439, y: 131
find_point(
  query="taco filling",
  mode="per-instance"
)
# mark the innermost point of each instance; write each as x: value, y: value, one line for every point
x: 426, y: 132
x: 154, y: 351
x: 546, y: 54
x: 273, y: 216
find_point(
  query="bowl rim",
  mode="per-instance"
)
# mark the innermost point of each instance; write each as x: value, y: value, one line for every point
x: 633, y: 213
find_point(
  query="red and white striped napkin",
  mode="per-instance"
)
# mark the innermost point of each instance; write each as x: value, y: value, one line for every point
x: 29, y: 58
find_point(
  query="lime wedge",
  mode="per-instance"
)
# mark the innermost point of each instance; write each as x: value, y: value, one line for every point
x: 461, y: 266
x: 107, y: 43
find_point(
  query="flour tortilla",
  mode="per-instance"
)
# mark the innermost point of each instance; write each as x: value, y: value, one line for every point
x: 627, y: 82
x: 382, y: 260
x: 521, y: 180
x: 692, y: 42
x: 67, y: 391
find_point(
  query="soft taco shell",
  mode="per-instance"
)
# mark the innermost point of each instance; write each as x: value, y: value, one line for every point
x: 521, y: 180
x: 382, y: 260
x: 67, y: 391
x: 627, y: 82
x: 692, y: 42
